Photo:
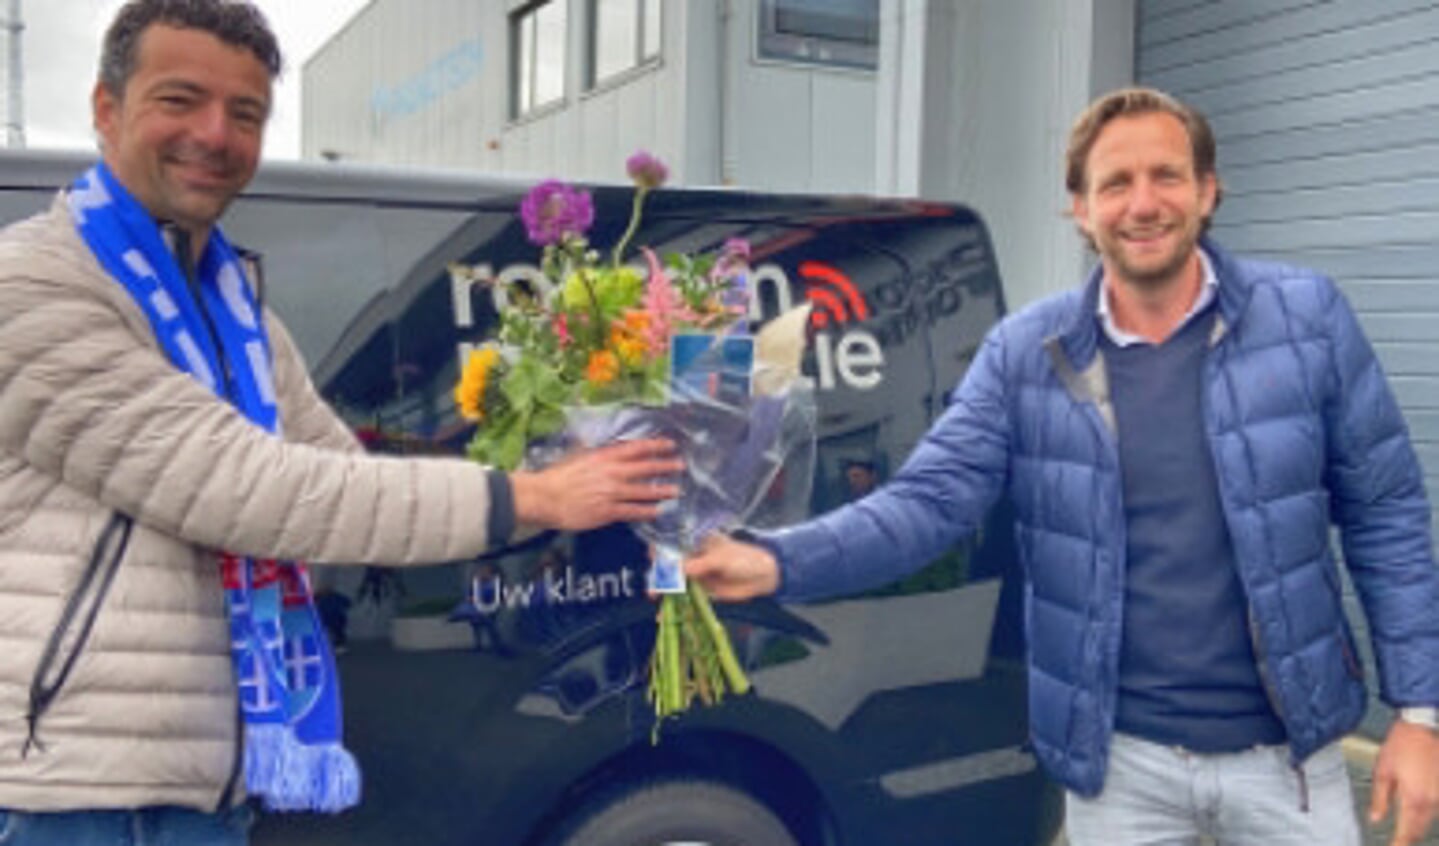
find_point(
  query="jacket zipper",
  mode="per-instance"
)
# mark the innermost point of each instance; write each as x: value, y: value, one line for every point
x: 1266, y: 682
x: 1270, y: 693
x: 43, y: 690
x: 1120, y: 570
x: 1255, y: 636
x: 227, y: 796
x: 1090, y: 403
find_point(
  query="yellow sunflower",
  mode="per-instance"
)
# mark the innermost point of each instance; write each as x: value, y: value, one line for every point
x: 470, y: 392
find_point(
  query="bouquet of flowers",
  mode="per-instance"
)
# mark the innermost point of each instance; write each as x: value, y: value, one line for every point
x: 612, y: 352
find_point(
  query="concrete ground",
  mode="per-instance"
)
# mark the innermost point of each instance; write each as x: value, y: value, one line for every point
x: 1360, y: 752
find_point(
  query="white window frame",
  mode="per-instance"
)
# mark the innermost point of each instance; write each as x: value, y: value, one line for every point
x: 645, y: 54
x: 524, y: 80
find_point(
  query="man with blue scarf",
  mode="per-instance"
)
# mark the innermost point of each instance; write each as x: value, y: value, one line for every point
x: 163, y: 461
x: 1178, y: 436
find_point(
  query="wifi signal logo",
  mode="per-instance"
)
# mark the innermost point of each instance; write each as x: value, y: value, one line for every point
x: 834, y: 297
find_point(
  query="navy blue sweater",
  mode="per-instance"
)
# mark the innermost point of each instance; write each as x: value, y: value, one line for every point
x: 1187, y: 672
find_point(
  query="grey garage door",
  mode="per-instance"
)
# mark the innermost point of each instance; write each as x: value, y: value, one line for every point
x: 1327, y: 115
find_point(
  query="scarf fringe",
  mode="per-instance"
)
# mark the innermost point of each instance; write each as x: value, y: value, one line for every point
x: 292, y: 776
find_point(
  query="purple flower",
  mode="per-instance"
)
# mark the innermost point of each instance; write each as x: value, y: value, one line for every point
x: 731, y: 264
x: 736, y: 249
x: 647, y: 171
x: 553, y: 210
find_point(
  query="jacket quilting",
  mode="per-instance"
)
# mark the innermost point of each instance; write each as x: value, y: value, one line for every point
x: 1304, y: 433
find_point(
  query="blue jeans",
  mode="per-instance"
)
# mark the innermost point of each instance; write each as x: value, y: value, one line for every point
x: 161, y: 826
x: 1162, y: 796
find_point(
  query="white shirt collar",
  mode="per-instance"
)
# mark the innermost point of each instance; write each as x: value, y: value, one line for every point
x: 1208, y: 290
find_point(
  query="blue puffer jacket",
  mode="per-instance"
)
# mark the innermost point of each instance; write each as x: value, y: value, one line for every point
x: 1303, y: 432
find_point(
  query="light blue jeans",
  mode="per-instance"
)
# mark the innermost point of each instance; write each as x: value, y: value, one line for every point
x: 1162, y: 796
x: 161, y: 826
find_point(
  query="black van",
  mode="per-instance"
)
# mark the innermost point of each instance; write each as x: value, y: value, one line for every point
x: 501, y: 701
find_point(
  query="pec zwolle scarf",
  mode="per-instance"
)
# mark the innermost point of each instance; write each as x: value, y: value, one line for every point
x: 289, y: 694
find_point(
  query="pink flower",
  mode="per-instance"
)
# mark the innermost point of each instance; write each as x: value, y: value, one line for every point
x: 553, y: 210
x: 646, y: 170
x: 662, y: 303
x: 562, y: 330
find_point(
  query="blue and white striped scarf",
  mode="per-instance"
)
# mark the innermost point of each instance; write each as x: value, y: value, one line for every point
x: 289, y: 692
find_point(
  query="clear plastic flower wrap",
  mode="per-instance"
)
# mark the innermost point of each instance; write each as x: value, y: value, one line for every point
x: 744, y: 420
x: 749, y: 454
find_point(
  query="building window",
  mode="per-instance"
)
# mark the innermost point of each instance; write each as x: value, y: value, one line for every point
x: 537, y: 56
x: 624, y: 34
x: 828, y: 32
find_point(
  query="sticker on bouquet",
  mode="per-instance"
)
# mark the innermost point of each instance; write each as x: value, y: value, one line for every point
x: 667, y: 572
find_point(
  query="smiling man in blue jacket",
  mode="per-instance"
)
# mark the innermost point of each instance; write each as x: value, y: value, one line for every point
x: 1177, y: 436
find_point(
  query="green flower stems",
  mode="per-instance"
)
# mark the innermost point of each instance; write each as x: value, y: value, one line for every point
x: 693, y: 657
x: 719, y: 638
x: 636, y: 212
x: 571, y: 252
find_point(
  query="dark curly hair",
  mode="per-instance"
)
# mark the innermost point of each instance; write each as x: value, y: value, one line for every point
x: 234, y: 22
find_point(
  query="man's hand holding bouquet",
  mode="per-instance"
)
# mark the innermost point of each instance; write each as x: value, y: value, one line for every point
x: 612, y: 352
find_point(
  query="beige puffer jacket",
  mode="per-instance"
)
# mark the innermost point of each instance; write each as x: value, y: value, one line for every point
x: 94, y: 420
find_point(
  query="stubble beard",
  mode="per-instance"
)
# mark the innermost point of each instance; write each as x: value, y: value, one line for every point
x: 1154, y: 277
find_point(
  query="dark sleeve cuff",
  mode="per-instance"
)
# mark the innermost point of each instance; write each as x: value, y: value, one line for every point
x: 501, y: 526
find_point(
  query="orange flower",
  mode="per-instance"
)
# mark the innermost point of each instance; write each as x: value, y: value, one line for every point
x: 470, y: 392
x: 637, y: 322
x: 631, y: 350
x: 603, y: 367
x: 627, y: 337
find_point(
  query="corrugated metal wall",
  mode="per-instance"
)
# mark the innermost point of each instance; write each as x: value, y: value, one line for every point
x: 1327, y: 115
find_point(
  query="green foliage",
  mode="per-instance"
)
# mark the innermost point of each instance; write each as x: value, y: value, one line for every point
x: 604, y: 291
